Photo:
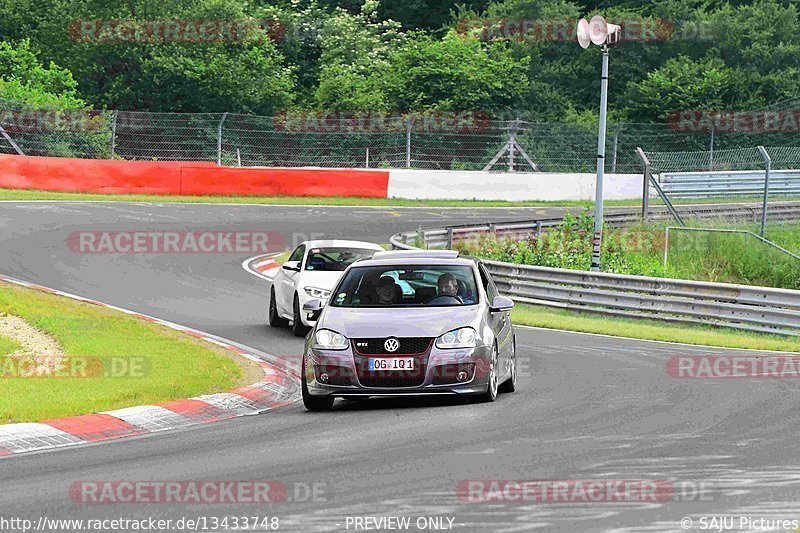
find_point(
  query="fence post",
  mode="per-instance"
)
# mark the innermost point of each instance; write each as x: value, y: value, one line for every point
x: 512, y: 143
x: 511, y: 153
x: 645, y: 184
x: 113, y: 133
x: 614, y: 156
x: 367, y: 158
x: 767, y: 168
x: 409, y: 124
x: 449, y: 238
x: 711, y: 151
x: 219, y: 138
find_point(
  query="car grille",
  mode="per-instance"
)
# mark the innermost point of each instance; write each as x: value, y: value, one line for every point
x: 408, y: 346
x: 392, y: 382
x: 417, y: 347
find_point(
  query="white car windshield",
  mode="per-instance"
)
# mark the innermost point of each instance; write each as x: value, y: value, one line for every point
x: 407, y: 286
x: 335, y: 259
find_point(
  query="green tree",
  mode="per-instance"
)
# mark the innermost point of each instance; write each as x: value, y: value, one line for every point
x: 24, y: 79
x: 456, y: 73
x: 684, y: 83
x: 355, y: 59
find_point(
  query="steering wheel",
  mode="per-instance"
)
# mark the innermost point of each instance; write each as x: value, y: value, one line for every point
x: 445, y: 299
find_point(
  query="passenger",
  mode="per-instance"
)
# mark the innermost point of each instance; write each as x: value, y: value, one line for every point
x: 447, y: 285
x: 387, y: 291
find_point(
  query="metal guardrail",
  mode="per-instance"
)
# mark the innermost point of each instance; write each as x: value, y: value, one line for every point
x: 742, y: 307
x: 445, y: 237
x: 729, y: 184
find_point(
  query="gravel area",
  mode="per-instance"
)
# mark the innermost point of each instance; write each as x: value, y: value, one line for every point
x: 37, y: 346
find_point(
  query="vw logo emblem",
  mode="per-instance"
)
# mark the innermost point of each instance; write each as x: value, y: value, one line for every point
x: 391, y: 345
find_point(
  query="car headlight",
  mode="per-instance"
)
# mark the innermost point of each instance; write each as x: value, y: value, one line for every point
x: 314, y: 292
x: 458, y: 338
x: 330, y: 340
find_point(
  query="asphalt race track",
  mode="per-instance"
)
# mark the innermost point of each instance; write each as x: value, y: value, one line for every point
x: 587, y: 407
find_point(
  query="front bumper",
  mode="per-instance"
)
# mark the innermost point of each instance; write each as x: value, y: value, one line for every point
x: 343, y: 373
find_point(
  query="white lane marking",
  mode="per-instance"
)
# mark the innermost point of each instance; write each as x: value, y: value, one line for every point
x: 706, y: 346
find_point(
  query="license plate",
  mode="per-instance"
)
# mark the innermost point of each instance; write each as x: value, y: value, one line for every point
x: 391, y: 363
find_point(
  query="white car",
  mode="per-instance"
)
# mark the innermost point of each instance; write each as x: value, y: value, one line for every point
x: 311, y: 273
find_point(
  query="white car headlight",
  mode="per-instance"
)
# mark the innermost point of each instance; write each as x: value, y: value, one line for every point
x: 458, y: 338
x: 321, y: 294
x: 330, y: 340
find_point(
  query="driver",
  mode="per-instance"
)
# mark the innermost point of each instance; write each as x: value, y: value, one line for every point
x: 386, y: 291
x: 447, y: 285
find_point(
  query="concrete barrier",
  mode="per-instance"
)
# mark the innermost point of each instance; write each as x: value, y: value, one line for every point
x: 184, y: 178
x: 463, y: 185
x: 205, y: 179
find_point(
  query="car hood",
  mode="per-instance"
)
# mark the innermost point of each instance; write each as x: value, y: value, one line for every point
x: 322, y: 280
x: 398, y: 322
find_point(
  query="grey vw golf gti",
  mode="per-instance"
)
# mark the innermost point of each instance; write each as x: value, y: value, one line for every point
x: 410, y: 323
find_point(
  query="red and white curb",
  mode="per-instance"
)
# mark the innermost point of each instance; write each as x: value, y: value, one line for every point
x: 263, y: 266
x: 280, y: 386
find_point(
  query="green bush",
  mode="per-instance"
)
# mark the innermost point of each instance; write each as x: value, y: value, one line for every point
x: 705, y: 256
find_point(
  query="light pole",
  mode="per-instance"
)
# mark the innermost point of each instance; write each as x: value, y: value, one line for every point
x: 605, y: 36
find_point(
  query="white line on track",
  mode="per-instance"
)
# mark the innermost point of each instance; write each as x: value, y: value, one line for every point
x: 710, y: 347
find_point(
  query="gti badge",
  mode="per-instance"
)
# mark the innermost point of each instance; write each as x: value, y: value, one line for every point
x: 391, y: 345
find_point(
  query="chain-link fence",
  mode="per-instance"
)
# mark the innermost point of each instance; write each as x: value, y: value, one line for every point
x: 753, y: 188
x: 392, y: 141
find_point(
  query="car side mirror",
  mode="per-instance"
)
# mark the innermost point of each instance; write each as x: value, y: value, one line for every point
x: 313, y: 308
x: 292, y: 265
x: 501, y: 303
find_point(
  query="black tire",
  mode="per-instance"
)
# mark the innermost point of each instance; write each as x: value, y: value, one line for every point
x: 275, y: 320
x: 315, y: 403
x: 510, y: 385
x: 491, y: 388
x: 298, y: 328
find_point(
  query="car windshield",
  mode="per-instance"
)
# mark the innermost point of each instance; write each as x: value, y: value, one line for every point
x: 335, y: 259
x: 407, y: 286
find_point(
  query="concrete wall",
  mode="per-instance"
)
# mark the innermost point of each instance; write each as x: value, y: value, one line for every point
x: 463, y: 185
x: 204, y: 178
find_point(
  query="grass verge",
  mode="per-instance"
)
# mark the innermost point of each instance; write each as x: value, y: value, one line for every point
x: 114, y: 361
x: 26, y: 194
x: 650, y: 330
x: 15, y: 194
x: 8, y: 346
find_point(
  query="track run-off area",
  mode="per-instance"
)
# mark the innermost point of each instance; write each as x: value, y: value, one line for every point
x: 587, y: 407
